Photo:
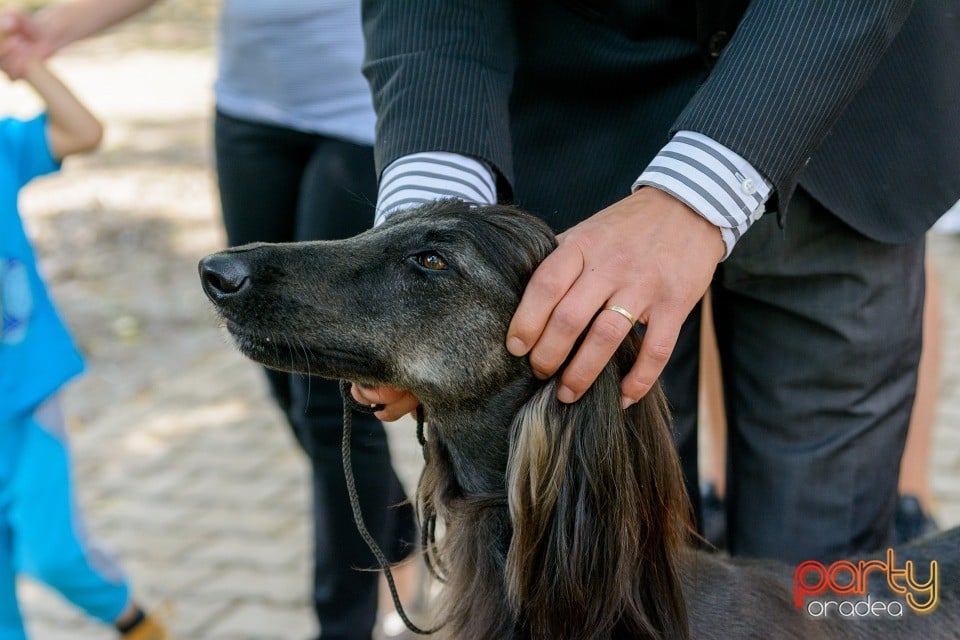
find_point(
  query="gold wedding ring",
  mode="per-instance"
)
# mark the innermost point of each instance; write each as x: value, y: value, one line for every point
x: 626, y: 314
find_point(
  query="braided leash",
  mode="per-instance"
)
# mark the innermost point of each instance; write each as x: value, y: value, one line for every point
x: 349, y: 406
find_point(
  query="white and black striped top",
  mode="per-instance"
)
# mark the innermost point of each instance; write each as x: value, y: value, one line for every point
x: 709, y: 178
x: 424, y: 177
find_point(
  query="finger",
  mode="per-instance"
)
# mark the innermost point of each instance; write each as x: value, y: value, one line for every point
x: 14, y: 20
x: 29, y: 26
x: 13, y: 54
x: 396, y: 402
x: 658, y: 342
x: 606, y: 333
x: 27, y: 31
x: 396, y: 410
x: 10, y: 46
x: 549, y: 283
x: 375, y: 395
x: 566, y: 324
x: 361, y: 396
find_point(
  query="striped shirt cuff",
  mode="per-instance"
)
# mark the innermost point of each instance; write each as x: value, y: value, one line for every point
x: 712, y: 180
x: 420, y: 178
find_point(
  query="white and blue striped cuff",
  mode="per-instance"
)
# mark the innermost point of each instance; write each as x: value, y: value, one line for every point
x: 420, y: 178
x: 712, y: 180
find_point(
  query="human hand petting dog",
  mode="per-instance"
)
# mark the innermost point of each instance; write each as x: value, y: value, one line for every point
x: 649, y: 254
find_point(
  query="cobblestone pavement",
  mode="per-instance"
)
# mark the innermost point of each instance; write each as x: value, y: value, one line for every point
x: 185, y: 469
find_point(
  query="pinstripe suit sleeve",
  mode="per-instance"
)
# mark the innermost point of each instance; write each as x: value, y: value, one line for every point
x: 425, y: 58
x: 785, y: 77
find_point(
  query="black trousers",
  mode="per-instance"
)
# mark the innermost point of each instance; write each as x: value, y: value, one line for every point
x: 819, y: 332
x: 281, y: 185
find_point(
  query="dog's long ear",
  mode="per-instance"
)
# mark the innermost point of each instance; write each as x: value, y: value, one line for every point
x: 599, y: 514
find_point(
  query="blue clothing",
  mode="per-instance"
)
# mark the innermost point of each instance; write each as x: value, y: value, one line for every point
x: 41, y: 529
x: 37, y: 355
x: 42, y: 532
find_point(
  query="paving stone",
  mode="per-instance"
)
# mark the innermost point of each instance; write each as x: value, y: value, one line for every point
x: 265, y: 554
x: 157, y: 547
x: 255, y: 621
x: 255, y: 585
x: 192, y: 618
x: 254, y: 524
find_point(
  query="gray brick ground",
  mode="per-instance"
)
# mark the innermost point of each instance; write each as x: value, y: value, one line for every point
x: 184, y: 466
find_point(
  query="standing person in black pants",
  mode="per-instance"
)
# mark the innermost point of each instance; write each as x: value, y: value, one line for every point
x: 293, y: 140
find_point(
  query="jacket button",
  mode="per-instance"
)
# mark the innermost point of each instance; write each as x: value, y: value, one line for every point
x: 716, y: 43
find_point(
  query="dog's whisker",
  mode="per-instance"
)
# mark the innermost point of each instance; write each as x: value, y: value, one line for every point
x: 306, y: 360
x: 291, y: 353
x: 362, y: 198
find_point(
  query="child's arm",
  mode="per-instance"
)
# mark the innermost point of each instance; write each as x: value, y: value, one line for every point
x: 71, y: 128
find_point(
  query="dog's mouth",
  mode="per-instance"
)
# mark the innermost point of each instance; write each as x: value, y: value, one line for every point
x: 289, y: 353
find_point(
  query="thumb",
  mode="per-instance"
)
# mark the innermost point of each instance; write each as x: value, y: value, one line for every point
x: 13, y: 19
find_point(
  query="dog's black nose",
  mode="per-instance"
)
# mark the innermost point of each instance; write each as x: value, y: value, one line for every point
x: 224, y: 275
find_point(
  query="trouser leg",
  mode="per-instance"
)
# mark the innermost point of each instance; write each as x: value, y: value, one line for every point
x: 680, y: 380
x: 345, y: 594
x: 11, y: 623
x: 259, y: 173
x: 279, y: 185
x: 819, y: 336
x: 337, y: 196
x: 50, y: 539
x: 819, y: 331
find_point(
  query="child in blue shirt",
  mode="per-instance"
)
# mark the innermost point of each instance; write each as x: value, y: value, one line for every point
x: 42, y: 533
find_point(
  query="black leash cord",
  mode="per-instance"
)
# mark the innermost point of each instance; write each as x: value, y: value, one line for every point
x: 349, y: 406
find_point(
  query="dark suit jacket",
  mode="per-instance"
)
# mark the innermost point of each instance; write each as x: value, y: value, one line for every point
x: 570, y: 99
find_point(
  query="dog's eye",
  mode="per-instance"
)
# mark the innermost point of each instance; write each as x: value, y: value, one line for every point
x: 430, y: 260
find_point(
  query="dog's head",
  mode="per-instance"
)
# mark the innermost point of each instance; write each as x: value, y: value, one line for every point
x: 384, y: 307
x: 560, y: 519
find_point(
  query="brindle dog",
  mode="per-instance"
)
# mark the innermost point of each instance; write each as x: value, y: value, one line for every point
x: 561, y: 521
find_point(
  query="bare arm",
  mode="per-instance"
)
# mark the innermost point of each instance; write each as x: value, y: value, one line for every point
x: 71, y: 128
x: 67, y: 22
x: 24, y: 36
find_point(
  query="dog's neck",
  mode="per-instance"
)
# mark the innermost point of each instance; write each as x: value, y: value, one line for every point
x: 476, y: 434
x: 468, y: 485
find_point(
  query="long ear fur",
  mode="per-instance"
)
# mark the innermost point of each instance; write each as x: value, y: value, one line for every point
x: 599, y: 515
